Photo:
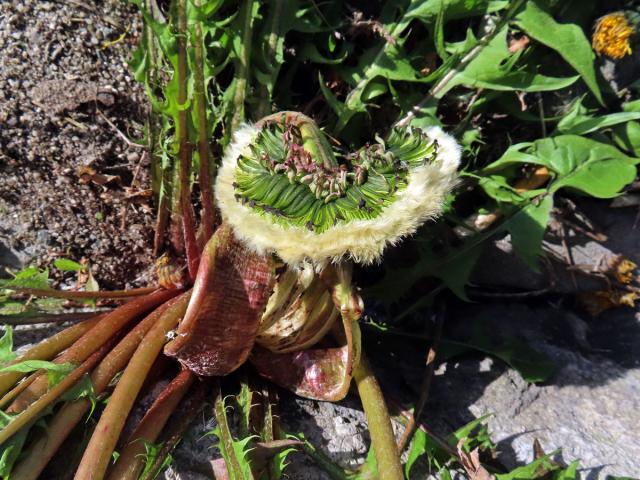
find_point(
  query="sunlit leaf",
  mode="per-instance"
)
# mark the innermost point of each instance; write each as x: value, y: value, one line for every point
x: 67, y: 265
x: 568, y: 40
x: 494, y: 68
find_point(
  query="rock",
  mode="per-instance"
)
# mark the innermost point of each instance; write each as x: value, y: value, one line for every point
x: 587, y: 409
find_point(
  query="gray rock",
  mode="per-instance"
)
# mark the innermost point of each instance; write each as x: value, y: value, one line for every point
x: 589, y: 409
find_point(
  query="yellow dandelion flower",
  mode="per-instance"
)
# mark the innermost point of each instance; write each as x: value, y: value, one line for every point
x: 612, y: 36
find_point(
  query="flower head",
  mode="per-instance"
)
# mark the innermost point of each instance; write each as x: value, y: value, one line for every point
x: 612, y: 36
x: 283, y: 190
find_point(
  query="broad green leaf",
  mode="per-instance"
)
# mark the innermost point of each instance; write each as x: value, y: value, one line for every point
x: 10, y: 450
x: 29, y: 277
x: 527, y: 229
x: 418, y: 448
x: 458, y: 270
x: 6, y: 346
x: 594, y: 168
x: 493, y: 69
x: 498, y: 188
x: 427, y: 10
x: 67, y: 265
x: 579, y: 121
x: 55, y: 371
x: 567, y: 39
x: 627, y: 137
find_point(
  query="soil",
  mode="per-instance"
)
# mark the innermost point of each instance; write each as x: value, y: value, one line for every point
x: 70, y: 185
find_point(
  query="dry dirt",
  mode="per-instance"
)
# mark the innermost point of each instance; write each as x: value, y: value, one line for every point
x: 65, y: 91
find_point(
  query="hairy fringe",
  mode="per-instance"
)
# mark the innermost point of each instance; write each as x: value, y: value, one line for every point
x: 362, y: 241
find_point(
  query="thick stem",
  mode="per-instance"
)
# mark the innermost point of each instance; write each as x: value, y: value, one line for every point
x: 92, y: 340
x: 206, y: 165
x: 379, y: 422
x: 46, y: 350
x: 60, y: 426
x: 242, y: 66
x: 189, y: 408
x: 375, y: 408
x: 186, y: 413
x: 184, y: 147
x: 98, y: 452
x: 161, y: 183
x: 131, y: 459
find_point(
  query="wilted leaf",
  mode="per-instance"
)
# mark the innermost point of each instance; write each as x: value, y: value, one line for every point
x: 602, y: 300
x: 471, y: 463
x: 622, y: 269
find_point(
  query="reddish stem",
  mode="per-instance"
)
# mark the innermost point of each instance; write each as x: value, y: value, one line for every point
x: 72, y: 294
x: 60, y: 426
x: 131, y: 460
x: 91, y: 341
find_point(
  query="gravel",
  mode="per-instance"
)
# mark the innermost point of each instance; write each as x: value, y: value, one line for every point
x: 60, y: 79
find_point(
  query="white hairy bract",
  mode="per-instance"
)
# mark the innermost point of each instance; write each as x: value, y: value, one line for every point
x: 362, y: 241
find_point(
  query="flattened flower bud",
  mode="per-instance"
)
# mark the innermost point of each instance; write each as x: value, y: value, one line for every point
x: 305, y: 205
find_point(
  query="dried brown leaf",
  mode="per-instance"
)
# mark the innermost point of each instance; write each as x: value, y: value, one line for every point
x: 471, y: 463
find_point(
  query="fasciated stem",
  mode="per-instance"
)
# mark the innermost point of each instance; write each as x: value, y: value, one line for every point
x: 46, y: 350
x: 379, y: 422
x: 93, y: 339
x: 205, y: 175
x: 60, y: 426
x: 97, y: 455
x: 36, y: 408
x: 131, y: 460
